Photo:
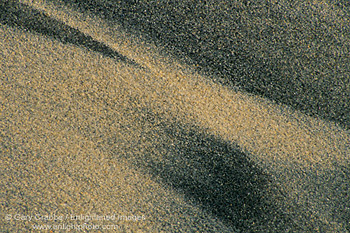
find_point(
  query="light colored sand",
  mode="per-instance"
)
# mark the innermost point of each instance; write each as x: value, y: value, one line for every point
x: 54, y: 121
x: 68, y: 117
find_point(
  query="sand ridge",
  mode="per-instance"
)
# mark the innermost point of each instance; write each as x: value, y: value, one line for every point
x: 92, y: 106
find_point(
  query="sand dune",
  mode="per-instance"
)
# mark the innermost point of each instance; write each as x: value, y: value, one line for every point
x: 97, y: 120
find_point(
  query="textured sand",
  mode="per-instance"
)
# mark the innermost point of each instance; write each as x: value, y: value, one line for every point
x: 96, y: 120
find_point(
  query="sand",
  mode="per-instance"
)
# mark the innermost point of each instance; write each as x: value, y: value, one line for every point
x: 104, y: 130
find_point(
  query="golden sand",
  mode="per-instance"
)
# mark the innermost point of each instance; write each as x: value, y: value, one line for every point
x: 75, y: 123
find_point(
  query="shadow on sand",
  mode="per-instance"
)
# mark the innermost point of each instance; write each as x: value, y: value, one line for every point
x: 220, y: 178
x: 19, y: 15
x: 295, y: 53
x: 211, y: 173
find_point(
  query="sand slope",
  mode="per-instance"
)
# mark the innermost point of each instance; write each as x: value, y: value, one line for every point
x: 95, y: 120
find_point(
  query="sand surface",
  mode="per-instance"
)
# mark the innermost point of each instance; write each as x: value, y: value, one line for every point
x: 102, y: 129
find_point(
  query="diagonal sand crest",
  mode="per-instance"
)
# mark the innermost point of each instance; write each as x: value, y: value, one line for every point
x: 55, y: 132
x: 228, y: 107
x: 224, y: 107
x: 81, y: 92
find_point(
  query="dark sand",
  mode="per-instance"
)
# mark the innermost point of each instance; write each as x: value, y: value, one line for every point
x: 106, y: 115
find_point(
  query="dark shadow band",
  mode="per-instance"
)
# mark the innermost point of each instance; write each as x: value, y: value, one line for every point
x: 19, y: 15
